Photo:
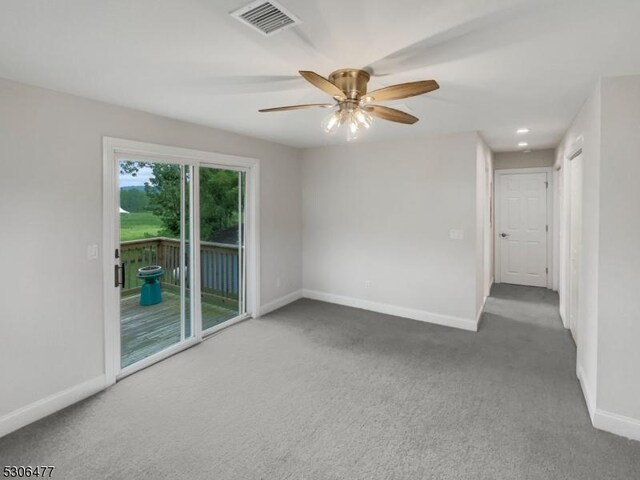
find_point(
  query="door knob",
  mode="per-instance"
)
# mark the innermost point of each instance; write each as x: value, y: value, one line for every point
x: 504, y: 235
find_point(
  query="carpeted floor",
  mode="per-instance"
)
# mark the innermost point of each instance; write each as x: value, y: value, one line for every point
x: 319, y: 391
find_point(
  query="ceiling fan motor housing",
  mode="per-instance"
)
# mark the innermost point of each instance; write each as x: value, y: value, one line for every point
x: 351, y: 81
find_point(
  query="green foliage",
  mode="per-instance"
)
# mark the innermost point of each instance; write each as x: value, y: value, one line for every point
x: 136, y: 226
x: 218, y: 197
x: 218, y: 201
x: 163, y: 190
x: 133, y: 200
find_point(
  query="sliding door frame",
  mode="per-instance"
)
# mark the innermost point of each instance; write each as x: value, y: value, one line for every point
x: 115, y: 149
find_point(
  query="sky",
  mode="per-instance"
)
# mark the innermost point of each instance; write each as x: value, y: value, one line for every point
x: 143, y: 175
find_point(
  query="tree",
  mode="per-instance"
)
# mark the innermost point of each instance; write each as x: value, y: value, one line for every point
x: 218, y: 197
x: 163, y: 190
x: 218, y: 201
x: 133, y: 199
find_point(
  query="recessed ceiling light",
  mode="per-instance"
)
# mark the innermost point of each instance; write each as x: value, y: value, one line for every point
x: 523, y: 144
x: 522, y: 131
x: 527, y: 151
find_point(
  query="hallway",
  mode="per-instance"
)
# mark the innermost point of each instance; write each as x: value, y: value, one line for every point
x: 533, y: 305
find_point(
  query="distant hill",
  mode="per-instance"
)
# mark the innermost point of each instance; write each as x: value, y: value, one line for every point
x: 133, y: 187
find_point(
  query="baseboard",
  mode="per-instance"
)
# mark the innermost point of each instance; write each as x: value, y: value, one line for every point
x: 565, y: 323
x: 584, y: 385
x: 280, y: 302
x: 619, y: 424
x: 48, y: 405
x: 609, y: 422
x: 414, y: 314
x: 488, y: 292
x: 481, y: 311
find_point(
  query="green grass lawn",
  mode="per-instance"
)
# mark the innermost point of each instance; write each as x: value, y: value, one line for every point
x: 136, y: 226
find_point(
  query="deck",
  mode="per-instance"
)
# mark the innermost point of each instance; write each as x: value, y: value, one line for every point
x: 150, y: 329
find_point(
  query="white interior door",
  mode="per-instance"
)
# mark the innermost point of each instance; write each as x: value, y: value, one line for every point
x: 522, y: 228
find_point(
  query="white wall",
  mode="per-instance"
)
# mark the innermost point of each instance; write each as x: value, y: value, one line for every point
x: 586, y: 126
x: 381, y: 212
x: 619, y: 259
x: 51, y: 320
x: 535, y: 158
x: 609, y: 323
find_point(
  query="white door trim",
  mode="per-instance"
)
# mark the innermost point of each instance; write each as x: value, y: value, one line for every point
x: 498, y: 176
x: 116, y: 147
x: 575, y: 160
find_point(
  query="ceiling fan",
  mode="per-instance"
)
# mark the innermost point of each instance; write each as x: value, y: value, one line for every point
x: 354, y: 106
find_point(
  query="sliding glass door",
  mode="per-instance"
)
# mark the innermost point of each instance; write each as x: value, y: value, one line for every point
x: 222, y: 245
x: 154, y: 253
x: 180, y: 261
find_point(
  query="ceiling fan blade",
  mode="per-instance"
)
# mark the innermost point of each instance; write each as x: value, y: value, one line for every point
x: 323, y: 84
x: 241, y: 84
x: 391, y: 114
x: 490, y: 29
x: 403, y: 90
x: 297, y: 107
x: 252, y: 79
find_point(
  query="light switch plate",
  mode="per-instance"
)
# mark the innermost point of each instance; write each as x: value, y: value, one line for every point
x: 456, y: 234
x: 92, y: 252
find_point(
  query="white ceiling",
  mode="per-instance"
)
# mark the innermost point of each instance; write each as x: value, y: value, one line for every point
x: 501, y: 64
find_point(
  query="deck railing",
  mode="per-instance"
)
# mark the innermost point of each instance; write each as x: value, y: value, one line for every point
x: 219, y: 264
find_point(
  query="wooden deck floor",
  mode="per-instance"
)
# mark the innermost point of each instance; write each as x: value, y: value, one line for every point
x: 146, y: 330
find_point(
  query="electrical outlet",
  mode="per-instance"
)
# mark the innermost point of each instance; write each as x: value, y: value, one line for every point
x: 278, y: 282
x: 367, y: 284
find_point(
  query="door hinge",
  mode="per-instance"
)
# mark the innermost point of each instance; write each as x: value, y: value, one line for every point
x: 546, y: 270
x: 117, y: 253
x: 546, y: 184
x: 547, y: 227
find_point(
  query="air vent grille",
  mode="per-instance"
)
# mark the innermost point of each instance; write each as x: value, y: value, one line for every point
x: 266, y: 17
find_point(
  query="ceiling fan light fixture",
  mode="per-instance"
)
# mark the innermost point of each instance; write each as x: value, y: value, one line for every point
x: 354, y: 127
x: 332, y: 122
x: 355, y: 118
x: 353, y: 130
x: 363, y: 118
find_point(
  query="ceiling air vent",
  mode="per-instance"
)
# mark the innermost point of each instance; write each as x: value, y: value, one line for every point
x: 266, y: 17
